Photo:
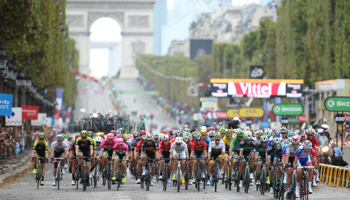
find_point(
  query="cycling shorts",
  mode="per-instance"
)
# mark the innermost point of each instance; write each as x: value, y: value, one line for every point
x: 166, y: 155
x: 215, y: 156
x: 58, y: 154
x: 120, y: 156
x: 151, y: 156
x: 198, y: 155
x: 42, y: 155
x: 109, y: 152
x: 181, y: 155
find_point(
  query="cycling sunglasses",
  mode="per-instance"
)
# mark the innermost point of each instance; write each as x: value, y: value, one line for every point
x: 217, y: 140
x: 295, y: 143
x: 307, y: 149
x: 83, y: 137
x: 41, y: 139
x: 248, y: 140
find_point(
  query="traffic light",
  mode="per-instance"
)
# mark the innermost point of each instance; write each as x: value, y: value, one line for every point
x: 152, y: 115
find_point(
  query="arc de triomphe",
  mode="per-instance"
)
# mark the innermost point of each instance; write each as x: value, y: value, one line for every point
x: 135, y: 18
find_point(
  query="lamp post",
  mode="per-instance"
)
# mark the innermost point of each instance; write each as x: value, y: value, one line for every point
x: 20, y: 88
x: 3, y: 66
x: 28, y: 87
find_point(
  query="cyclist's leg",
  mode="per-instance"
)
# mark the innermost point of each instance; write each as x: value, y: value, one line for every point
x: 226, y: 163
x: 116, y: 163
x: 220, y: 157
x: 87, y: 162
x: 151, y: 159
x: 34, y: 155
x: 183, y: 161
x: 194, y: 162
x: 176, y: 157
x: 299, y: 172
x: 123, y: 166
x: 63, y: 161
x: 104, y: 159
x: 258, y: 169
x: 279, y: 172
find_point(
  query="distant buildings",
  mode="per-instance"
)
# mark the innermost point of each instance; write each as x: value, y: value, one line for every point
x: 160, y: 16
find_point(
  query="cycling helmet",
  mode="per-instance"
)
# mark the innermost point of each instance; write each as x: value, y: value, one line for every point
x: 276, y: 134
x: 317, y: 135
x: 59, y: 137
x: 149, y: 137
x: 98, y: 139
x: 102, y: 134
x: 248, y: 136
x: 185, y: 134
x: 156, y: 135
x: 236, y: 119
x: 198, y: 137
x: 113, y: 132
x: 186, y: 139
x: 178, y: 140
x: 239, y: 133
x: 83, y: 133
x: 288, y: 140
x: 164, y: 132
x: 135, y: 134
x: 120, y: 136
x: 325, y: 127
x: 186, y: 129
x: 268, y: 132
x: 64, y: 135
x: 228, y: 132
x: 177, y: 133
x: 291, y: 133
x: 121, y: 129
x: 165, y: 137
x: 247, y: 128
x: 303, y: 137
x: 144, y: 137
x: 277, y: 140
x: 307, y: 145
x: 264, y: 138
x: 258, y: 134
x: 222, y: 131
x: 142, y: 132
x: 203, y: 132
x: 120, y: 141
x: 98, y: 134
x: 90, y: 133
x: 210, y: 129
x: 217, y: 136
x: 283, y: 130
x: 320, y: 130
x: 77, y: 136
x: 41, y: 135
x: 110, y: 136
x: 171, y: 132
x: 295, y: 140
x: 118, y: 132
x: 309, y: 131
x: 211, y: 134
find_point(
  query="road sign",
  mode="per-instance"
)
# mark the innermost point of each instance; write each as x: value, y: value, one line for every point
x: 284, y: 121
x: 231, y: 113
x: 339, y: 118
x: 337, y: 104
x: 251, y: 112
x: 287, y: 109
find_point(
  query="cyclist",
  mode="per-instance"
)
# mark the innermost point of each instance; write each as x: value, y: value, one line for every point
x: 99, y: 155
x: 199, y: 150
x: 40, y: 149
x: 120, y: 152
x: 73, y: 158
x: 222, y: 133
x: 171, y: 134
x: 284, y: 132
x: 107, y: 150
x: 84, y: 148
x: 216, y: 150
x: 302, y: 158
x: 247, y: 151
x: 289, y: 156
x: 178, y: 151
x: 227, y: 141
x: 310, y: 133
x: 137, y: 153
x: 156, y: 138
x: 164, y: 150
x: 235, y: 149
x: 177, y: 133
x: 260, y: 156
x: 212, y: 136
x: 302, y: 138
x: 94, y: 162
x: 210, y: 129
x: 59, y: 149
x: 149, y: 149
x: 274, y: 152
x: 133, y: 142
x: 187, y: 140
x: 234, y: 124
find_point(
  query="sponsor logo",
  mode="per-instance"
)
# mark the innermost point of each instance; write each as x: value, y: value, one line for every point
x: 339, y: 119
x: 330, y: 103
x: 277, y: 109
x: 339, y: 103
x: 291, y: 109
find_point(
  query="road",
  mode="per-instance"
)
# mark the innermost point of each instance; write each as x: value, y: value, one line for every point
x: 144, y: 103
x: 25, y: 188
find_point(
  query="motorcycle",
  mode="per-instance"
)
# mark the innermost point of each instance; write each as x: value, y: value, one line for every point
x: 326, y: 152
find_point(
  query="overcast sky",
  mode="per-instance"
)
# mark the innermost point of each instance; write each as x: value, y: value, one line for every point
x: 107, y: 29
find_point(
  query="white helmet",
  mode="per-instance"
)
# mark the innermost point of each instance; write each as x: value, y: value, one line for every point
x: 325, y: 126
x: 211, y: 133
x: 320, y: 130
x: 156, y: 135
x: 98, y: 139
x: 178, y: 140
x: 277, y: 140
x: 307, y: 144
x: 165, y: 137
x: 236, y: 119
x: 264, y: 138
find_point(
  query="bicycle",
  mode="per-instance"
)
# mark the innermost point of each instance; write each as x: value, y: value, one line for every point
x: 58, y: 171
x: 198, y: 178
x: 216, y: 177
x: 119, y: 175
x: 304, y: 187
x: 263, y: 185
x: 157, y: 172
x: 108, y: 177
x: 279, y: 188
x: 147, y: 176
x: 237, y: 174
x: 229, y: 176
x: 293, y: 188
x: 246, y: 178
x: 83, y: 174
x: 93, y: 180
x: 165, y: 174
x: 38, y: 172
x: 177, y: 182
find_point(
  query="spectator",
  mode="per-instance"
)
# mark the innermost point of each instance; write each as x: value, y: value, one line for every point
x: 337, y: 156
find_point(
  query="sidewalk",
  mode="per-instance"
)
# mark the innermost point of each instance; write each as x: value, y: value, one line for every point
x: 13, y: 166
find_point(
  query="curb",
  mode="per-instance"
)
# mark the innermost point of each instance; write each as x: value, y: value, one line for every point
x: 25, y: 165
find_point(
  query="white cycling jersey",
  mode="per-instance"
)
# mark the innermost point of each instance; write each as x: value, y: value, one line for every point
x: 216, y: 149
x: 59, y: 148
x: 175, y: 149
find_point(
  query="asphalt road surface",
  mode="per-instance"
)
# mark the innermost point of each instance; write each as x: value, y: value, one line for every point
x: 25, y: 188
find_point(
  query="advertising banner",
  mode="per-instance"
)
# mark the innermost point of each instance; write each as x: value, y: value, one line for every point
x: 256, y: 71
x: 6, y: 104
x: 40, y: 121
x: 231, y: 113
x: 200, y: 46
x: 337, y: 104
x: 30, y: 112
x: 287, y: 109
x: 257, y: 88
x: 251, y: 112
x: 15, y: 119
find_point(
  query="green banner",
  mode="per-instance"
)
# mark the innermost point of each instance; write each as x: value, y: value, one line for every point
x: 287, y: 109
x: 293, y: 120
x: 138, y: 92
x: 337, y: 104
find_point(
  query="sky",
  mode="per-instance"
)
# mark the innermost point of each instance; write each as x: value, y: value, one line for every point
x: 107, y: 29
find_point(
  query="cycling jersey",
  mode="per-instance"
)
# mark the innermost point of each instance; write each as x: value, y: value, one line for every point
x: 315, y: 142
x: 290, y: 151
x: 133, y: 142
x: 84, y: 146
x: 227, y: 143
x: 98, y: 150
x: 157, y: 142
x: 93, y: 144
x: 120, y: 150
x: 219, y: 149
x: 179, y: 150
x: 275, y: 153
x: 149, y: 148
x: 40, y: 148
x: 247, y: 148
x: 164, y: 148
x: 261, y: 151
x: 108, y: 147
x: 199, y: 147
x: 59, y: 148
x: 189, y: 147
x: 235, y: 144
x: 302, y: 155
x: 207, y: 140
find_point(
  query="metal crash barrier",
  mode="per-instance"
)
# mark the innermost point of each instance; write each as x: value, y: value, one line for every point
x: 334, y: 175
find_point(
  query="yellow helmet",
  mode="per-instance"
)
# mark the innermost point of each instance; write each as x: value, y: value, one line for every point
x: 105, y: 136
x: 217, y: 137
x: 98, y: 134
x: 228, y: 132
x: 203, y: 132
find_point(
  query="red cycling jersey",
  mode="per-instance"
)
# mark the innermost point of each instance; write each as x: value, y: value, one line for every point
x: 315, y: 142
x: 199, y: 147
x: 138, y: 146
x: 189, y: 145
x: 313, y: 153
x: 164, y: 148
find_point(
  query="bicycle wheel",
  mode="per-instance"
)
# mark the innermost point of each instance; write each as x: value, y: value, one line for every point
x: 246, y: 179
x: 223, y: 177
x: 229, y: 177
x: 142, y: 182
x: 157, y: 173
x: 186, y: 176
x: 109, y: 177
x: 119, y: 178
x: 165, y: 176
x: 84, y: 178
x: 306, y: 185
x: 148, y: 177
x: 263, y: 181
x: 58, y: 176
x: 292, y: 188
x: 237, y: 179
x: 38, y: 176
x: 95, y: 178
x: 178, y: 179
x: 77, y: 177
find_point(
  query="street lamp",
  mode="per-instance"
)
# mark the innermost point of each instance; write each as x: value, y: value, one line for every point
x: 3, y: 59
x: 14, y: 73
x: 28, y: 81
x: 20, y: 79
x: 10, y: 69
